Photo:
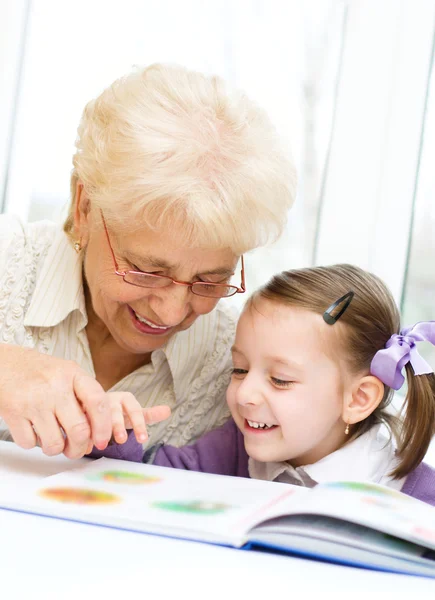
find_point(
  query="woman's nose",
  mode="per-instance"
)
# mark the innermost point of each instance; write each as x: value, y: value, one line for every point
x: 171, y: 304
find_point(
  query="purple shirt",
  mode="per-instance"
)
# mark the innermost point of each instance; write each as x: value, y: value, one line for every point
x: 222, y: 451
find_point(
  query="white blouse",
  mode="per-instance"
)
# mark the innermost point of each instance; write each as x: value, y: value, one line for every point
x: 42, y: 306
x: 370, y: 457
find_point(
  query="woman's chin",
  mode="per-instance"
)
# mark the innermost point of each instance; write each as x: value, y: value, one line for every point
x: 141, y: 344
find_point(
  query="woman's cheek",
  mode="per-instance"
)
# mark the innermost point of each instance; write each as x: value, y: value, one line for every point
x: 205, y: 306
x: 122, y: 292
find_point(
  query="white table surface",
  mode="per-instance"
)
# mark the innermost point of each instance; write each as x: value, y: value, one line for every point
x: 49, y: 558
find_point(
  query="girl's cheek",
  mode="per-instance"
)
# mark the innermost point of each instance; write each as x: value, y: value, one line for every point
x: 231, y: 392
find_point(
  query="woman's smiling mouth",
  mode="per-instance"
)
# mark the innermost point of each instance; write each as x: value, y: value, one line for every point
x: 146, y: 326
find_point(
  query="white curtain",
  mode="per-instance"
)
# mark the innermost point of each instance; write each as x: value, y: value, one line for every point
x: 346, y: 83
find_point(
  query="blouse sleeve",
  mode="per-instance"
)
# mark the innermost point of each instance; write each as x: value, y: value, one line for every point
x: 131, y: 450
x: 220, y: 451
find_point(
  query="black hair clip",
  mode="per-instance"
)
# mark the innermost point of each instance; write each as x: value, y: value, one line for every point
x: 346, y: 300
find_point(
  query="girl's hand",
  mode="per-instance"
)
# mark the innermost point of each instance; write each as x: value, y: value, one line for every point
x: 127, y: 413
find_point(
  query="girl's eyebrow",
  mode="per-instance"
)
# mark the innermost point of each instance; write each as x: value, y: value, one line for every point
x: 286, y: 362
x: 158, y: 263
x: 275, y: 359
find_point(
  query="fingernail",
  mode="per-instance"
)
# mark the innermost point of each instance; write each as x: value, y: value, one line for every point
x: 101, y: 445
x: 142, y: 437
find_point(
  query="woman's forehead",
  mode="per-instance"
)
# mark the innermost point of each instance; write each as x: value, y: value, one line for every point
x: 169, y: 251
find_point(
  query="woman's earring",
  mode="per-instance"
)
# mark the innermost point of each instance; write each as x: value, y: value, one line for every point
x: 77, y: 246
x: 346, y: 431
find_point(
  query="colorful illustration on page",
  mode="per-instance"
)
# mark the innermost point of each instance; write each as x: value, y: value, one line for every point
x: 68, y: 495
x: 199, y: 507
x: 369, y: 488
x: 125, y: 477
x: 375, y: 495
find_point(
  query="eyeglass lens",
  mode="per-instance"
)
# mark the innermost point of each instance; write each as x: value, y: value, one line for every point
x: 198, y: 288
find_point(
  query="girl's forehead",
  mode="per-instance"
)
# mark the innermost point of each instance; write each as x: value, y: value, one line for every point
x: 286, y: 328
x: 263, y: 311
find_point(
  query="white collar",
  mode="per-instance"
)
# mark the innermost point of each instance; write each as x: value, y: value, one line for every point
x: 370, y: 458
x: 59, y: 287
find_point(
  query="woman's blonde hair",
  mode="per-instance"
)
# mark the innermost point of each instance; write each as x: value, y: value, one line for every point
x: 364, y: 328
x: 174, y: 148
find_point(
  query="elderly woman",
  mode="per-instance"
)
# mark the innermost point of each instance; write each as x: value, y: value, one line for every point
x: 174, y: 179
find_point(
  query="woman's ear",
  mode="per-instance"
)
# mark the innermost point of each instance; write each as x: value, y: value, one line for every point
x: 366, y: 395
x: 81, y: 214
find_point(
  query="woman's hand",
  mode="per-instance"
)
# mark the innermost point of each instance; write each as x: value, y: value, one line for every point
x: 127, y: 413
x: 52, y: 402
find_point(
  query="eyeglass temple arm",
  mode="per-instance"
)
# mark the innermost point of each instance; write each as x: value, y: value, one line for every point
x: 108, y: 241
x: 243, y: 275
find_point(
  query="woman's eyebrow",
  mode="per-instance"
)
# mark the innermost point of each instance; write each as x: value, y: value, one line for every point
x: 158, y: 263
x: 218, y: 271
x: 151, y: 261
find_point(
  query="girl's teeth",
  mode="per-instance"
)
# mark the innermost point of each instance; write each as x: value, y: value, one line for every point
x: 142, y: 320
x: 256, y: 425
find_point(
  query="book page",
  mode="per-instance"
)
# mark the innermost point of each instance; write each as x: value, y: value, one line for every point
x: 343, y: 543
x: 342, y: 532
x: 375, y: 506
x: 152, y: 499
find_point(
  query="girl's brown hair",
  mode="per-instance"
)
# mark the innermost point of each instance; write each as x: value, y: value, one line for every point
x: 365, y: 327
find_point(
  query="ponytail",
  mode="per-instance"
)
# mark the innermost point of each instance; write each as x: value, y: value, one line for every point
x: 418, y: 412
x: 418, y: 423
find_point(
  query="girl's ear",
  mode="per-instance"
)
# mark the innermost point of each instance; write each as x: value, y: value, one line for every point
x: 366, y: 395
x: 81, y: 214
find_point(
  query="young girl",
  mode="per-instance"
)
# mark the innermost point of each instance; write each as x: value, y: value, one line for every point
x: 316, y: 358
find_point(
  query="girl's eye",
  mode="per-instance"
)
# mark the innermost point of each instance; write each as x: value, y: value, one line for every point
x: 239, y: 372
x: 281, y: 382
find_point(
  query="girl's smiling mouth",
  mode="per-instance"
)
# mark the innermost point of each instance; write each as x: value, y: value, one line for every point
x: 259, y: 426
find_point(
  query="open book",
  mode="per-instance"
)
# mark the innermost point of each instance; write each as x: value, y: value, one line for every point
x: 349, y: 523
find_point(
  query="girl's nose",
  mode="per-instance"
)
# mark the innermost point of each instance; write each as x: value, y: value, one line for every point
x: 249, y: 392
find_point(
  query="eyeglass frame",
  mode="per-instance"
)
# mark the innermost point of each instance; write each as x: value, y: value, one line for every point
x: 237, y: 290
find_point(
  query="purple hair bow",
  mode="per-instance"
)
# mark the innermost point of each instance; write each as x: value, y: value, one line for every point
x: 387, y: 364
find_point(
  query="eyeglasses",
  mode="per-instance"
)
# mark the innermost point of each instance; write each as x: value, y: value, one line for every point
x: 199, y: 288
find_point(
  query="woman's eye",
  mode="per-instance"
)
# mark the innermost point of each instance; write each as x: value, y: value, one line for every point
x: 239, y: 372
x: 281, y: 382
x: 206, y: 285
x: 139, y: 270
x: 214, y: 282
